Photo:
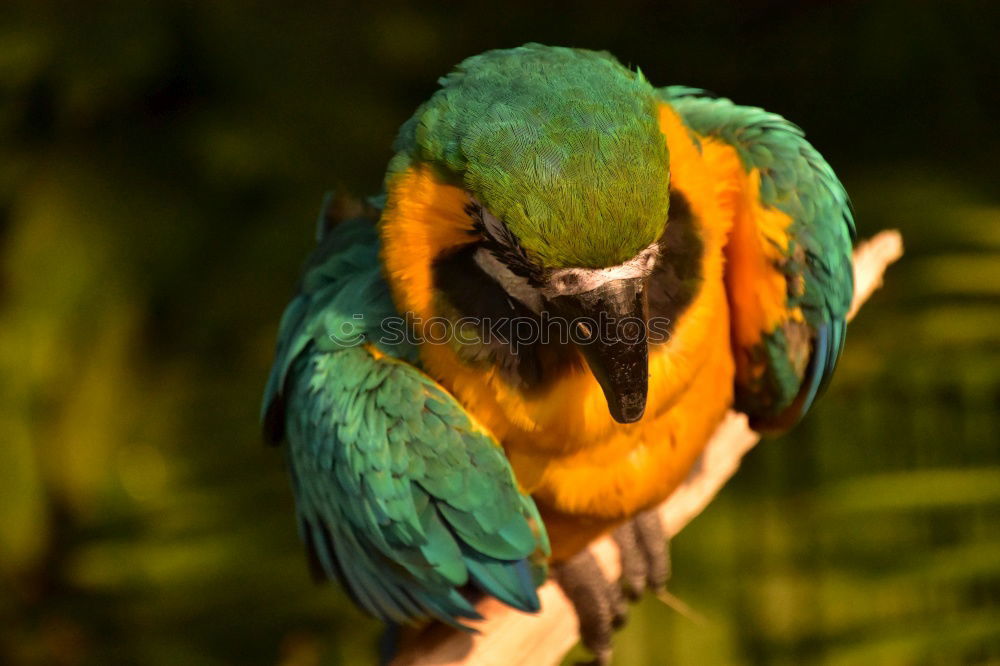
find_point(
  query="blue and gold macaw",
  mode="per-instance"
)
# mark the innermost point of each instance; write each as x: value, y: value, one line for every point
x: 439, y: 446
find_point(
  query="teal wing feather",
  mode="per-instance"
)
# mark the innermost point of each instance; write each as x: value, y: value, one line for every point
x: 798, y: 181
x: 400, y: 495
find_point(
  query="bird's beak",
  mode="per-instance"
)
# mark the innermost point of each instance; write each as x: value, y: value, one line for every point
x: 608, y: 324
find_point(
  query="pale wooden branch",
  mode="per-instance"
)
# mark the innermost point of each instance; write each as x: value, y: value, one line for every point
x: 511, y: 638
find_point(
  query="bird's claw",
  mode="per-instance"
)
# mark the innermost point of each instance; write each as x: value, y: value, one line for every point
x: 645, y: 555
x: 601, y: 605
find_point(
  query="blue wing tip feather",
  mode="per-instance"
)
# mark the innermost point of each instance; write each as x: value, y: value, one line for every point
x: 510, y: 582
x: 827, y: 347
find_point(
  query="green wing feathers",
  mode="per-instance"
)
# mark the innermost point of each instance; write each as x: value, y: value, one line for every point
x: 400, y: 495
x: 793, y: 363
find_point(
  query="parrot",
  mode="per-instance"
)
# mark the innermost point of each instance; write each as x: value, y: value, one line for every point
x: 528, y: 338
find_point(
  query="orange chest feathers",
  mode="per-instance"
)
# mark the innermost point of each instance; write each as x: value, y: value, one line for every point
x: 562, y: 442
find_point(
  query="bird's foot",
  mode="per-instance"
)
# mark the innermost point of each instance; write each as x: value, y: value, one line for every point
x: 599, y: 604
x: 602, y: 605
x: 645, y: 555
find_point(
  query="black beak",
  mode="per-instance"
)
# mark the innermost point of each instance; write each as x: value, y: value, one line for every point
x: 608, y: 324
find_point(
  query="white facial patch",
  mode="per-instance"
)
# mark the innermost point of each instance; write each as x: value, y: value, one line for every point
x: 565, y: 281
x: 568, y: 281
x: 515, y: 285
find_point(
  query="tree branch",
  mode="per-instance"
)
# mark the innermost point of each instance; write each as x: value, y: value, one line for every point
x: 511, y: 638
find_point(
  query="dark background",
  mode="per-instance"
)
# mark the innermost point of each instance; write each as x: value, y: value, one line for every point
x: 161, y: 166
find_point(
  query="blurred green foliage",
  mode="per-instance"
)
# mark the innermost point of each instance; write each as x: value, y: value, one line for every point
x: 160, y: 167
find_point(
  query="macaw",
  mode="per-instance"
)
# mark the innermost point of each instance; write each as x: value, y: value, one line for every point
x: 530, y: 336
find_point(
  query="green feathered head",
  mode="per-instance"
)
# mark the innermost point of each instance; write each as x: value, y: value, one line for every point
x: 561, y: 145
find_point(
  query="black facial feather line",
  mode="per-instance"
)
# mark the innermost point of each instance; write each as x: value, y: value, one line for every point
x: 501, y: 243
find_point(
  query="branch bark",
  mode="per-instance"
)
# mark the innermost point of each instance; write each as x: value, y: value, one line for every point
x: 511, y: 638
